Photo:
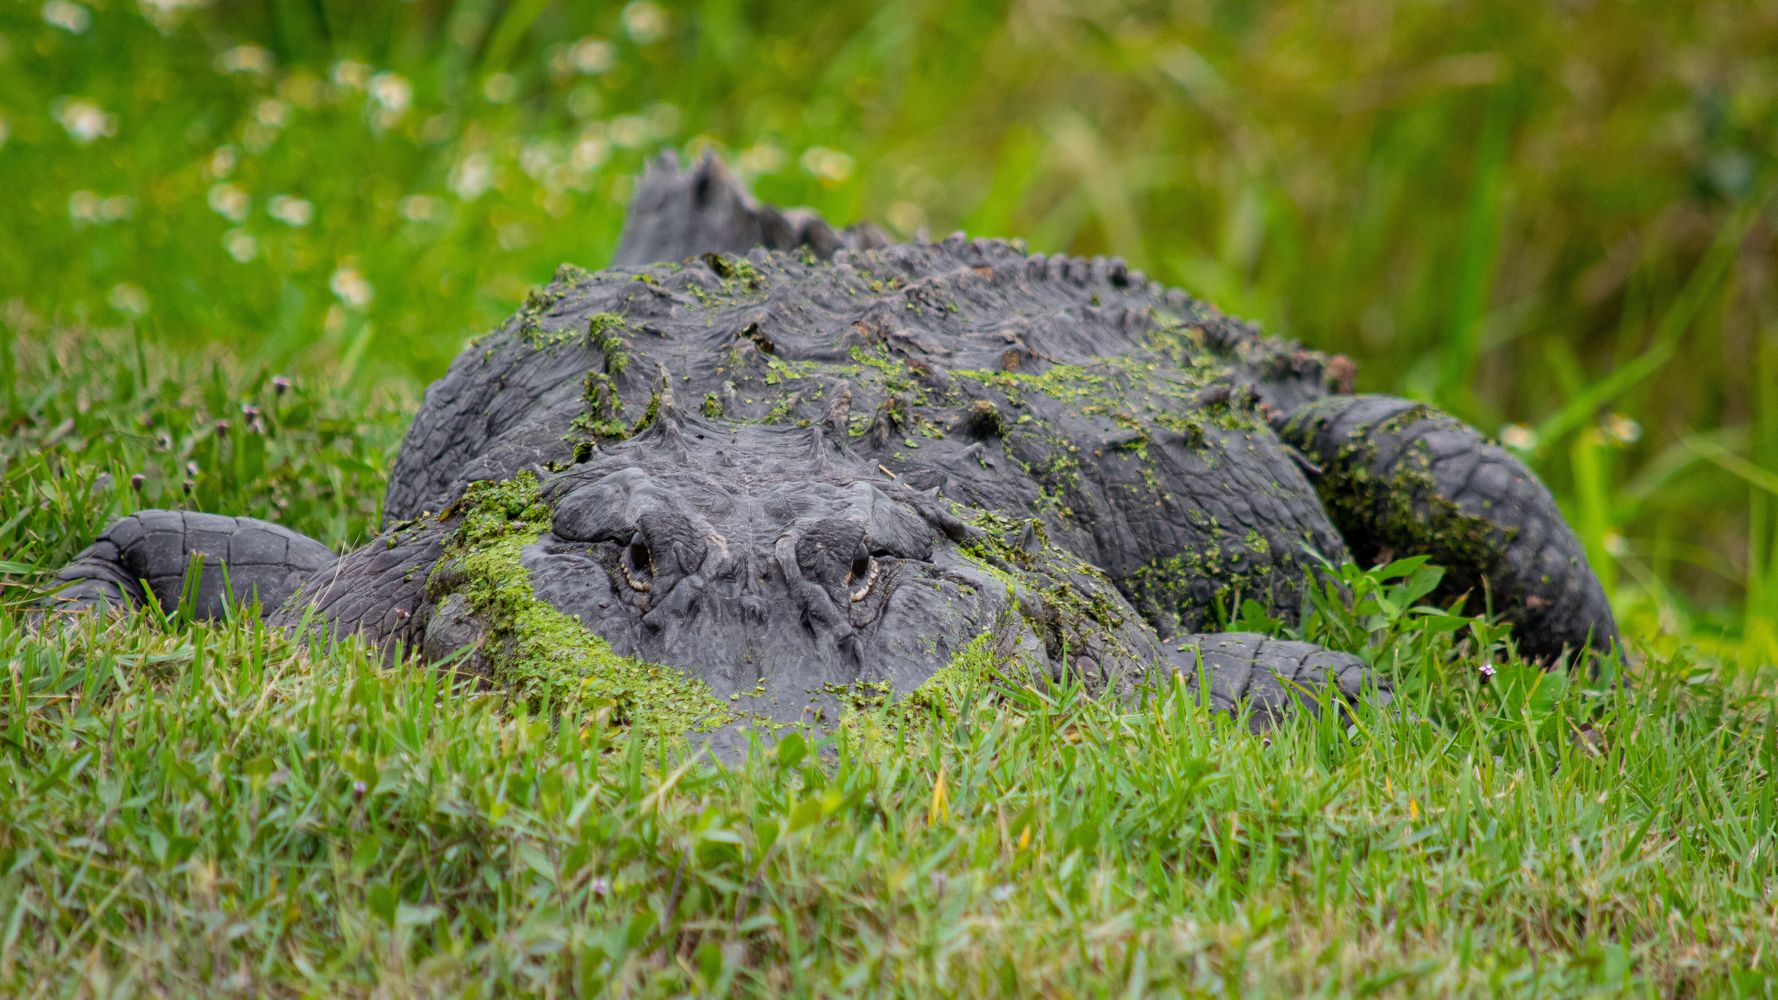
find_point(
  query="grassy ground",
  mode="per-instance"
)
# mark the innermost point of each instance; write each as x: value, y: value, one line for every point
x: 238, y: 240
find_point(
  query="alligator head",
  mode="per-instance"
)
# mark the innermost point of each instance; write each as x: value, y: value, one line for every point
x: 769, y: 563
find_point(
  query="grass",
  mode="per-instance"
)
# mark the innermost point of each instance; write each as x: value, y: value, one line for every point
x: 216, y: 809
x: 240, y: 239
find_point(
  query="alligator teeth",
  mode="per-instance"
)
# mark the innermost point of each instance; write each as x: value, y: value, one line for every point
x: 642, y: 586
x: 870, y: 580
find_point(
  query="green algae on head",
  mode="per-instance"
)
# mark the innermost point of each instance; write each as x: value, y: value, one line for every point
x: 538, y: 653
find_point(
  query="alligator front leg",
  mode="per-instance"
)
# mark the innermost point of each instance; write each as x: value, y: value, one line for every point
x: 1272, y: 677
x: 376, y: 592
x: 1402, y: 478
x: 150, y: 553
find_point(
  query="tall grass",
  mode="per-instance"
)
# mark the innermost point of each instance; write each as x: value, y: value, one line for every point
x: 217, y: 810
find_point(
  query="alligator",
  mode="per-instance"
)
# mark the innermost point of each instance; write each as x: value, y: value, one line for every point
x: 761, y: 464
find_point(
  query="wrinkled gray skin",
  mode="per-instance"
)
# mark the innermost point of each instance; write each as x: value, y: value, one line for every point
x: 839, y: 460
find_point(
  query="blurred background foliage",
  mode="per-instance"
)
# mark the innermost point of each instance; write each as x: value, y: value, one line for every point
x: 1553, y: 218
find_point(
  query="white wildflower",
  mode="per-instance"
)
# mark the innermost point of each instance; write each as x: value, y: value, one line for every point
x: 258, y: 137
x: 1518, y: 437
x: 303, y: 89
x: 663, y: 120
x: 83, y: 206
x: 584, y: 101
x: 590, y: 152
x: 629, y: 131
x: 830, y: 166
x: 535, y: 160
x: 761, y: 158
x: 645, y: 21
x: 128, y: 298
x: 245, y: 59
x: 473, y: 176
x: 351, y: 287
x: 907, y: 217
x: 70, y: 17
x: 351, y: 74
x: 290, y: 210
x: 592, y: 56
x: 1614, y: 544
x: 418, y: 208
x: 240, y: 245
x: 500, y: 88
x: 164, y: 13
x: 392, y: 91
x: 559, y: 177
x: 222, y: 162
x: 1621, y: 429
x: 230, y: 202
x: 84, y: 120
x: 271, y: 112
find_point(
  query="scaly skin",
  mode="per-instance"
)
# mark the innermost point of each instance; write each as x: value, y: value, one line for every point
x: 832, y: 462
x: 1402, y: 478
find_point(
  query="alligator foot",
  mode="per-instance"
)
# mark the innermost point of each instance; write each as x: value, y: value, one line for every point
x: 1401, y: 478
x: 150, y: 553
x: 1271, y: 676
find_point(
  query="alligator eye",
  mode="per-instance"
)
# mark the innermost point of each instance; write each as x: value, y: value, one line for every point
x: 637, y: 565
x: 861, y: 576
